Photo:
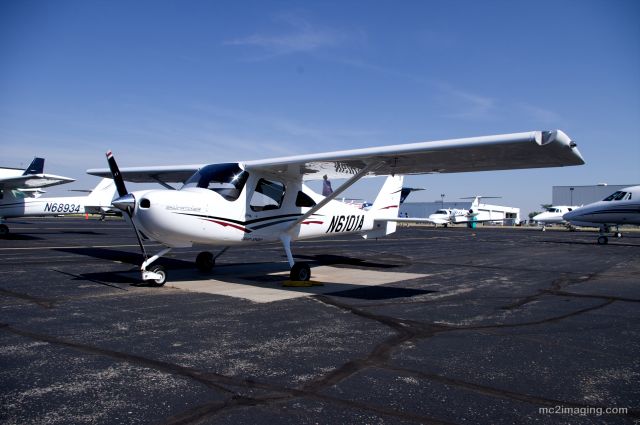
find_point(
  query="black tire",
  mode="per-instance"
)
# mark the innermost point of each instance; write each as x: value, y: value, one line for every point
x: 205, y: 261
x: 4, y: 230
x: 603, y: 240
x: 300, y: 272
x: 160, y: 270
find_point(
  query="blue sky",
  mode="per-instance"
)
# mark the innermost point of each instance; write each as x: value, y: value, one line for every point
x: 175, y: 82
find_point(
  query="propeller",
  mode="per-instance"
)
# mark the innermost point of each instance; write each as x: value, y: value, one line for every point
x: 126, y: 201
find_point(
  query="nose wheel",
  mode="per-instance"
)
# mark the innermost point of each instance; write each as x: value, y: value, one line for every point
x: 159, y: 277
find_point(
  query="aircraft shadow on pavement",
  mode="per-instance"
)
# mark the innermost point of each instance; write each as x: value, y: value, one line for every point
x: 19, y: 237
x: 342, y: 260
x: 379, y: 293
x: 133, y: 258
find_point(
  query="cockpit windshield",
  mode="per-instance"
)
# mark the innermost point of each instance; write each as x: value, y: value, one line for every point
x: 617, y: 196
x: 441, y: 212
x: 226, y: 179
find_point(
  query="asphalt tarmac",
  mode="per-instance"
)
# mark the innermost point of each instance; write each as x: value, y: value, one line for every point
x: 431, y: 326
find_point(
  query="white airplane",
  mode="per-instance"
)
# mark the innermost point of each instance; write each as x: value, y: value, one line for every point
x: 29, y: 180
x: 266, y: 200
x: 16, y: 204
x: 446, y: 216
x: 553, y: 215
x: 621, y: 207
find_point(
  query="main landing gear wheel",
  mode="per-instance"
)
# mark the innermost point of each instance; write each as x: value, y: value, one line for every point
x: 205, y: 261
x: 4, y: 230
x: 163, y: 275
x: 603, y: 240
x: 300, y: 272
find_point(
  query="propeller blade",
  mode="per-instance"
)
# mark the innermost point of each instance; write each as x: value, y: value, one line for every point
x: 135, y: 230
x: 115, y: 172
x: 126, y: 201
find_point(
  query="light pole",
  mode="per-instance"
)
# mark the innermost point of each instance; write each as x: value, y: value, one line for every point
x: 571, y: 192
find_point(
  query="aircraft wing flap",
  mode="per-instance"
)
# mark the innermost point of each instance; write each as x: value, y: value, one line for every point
x: 32, y: 181
x: 501, y: 152
x: 165, y: 174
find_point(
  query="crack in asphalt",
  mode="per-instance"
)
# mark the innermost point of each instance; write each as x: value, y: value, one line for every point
x: 405, y: 331
x: 79, y: 277
x: 218, y: 382
x: 42, y: 302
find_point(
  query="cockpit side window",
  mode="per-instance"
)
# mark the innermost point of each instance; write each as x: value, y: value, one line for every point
x: 612, y: 196
x: 228, y: 180
x: 268, y: 195
x: 620, y: 196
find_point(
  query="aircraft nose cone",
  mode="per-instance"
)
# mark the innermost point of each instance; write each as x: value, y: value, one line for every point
x: 125, y: 203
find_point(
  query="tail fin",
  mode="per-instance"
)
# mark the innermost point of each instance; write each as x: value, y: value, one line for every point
x: 36, y: 167
x: 406, y: 191
x: 385, y: 206
x: 103, y: 193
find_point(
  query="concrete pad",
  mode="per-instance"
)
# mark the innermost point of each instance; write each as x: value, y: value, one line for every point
x: 249, y: 284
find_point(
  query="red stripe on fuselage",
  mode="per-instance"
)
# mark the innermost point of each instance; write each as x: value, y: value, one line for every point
x: 224, y: 224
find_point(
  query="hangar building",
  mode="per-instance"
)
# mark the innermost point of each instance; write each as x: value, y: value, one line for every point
x: 582, y: 195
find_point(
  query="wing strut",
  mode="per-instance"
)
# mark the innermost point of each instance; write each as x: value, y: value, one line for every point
x: 338, y: 191
x: 162, y: 183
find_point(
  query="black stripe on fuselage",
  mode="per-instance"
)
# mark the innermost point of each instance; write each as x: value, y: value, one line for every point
x: 282, y: 218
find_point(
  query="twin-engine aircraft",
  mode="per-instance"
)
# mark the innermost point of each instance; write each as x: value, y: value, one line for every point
x: 621, y: 207
x: 15, y: 203
x: 239, y: 203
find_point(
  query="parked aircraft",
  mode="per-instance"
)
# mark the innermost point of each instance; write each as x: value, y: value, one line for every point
x: 16, y: 204
x: 553, y: 215
x: 29, y: 180
x: 266, y: 200
x: 447, y: 216
x: 621, y: 207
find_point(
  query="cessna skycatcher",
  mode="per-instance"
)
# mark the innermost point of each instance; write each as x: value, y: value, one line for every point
x: 15, y: 204
x: 264, y: 201
x: 621, y: 207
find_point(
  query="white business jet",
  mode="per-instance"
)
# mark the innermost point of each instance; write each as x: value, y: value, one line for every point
x: 621, y: 207
x: 265, y: 201
x: 15, y: 203
x: 553, y: 215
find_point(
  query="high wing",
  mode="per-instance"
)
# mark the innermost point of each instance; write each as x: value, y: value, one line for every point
x: 158, y: 174
x: 32, y: 181
x: 502, y: 152
x: 534, y: 149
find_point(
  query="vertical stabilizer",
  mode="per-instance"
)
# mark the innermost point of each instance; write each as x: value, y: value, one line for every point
x: 385, y: 206
x: 103, y: 193
x: 36, y: 167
